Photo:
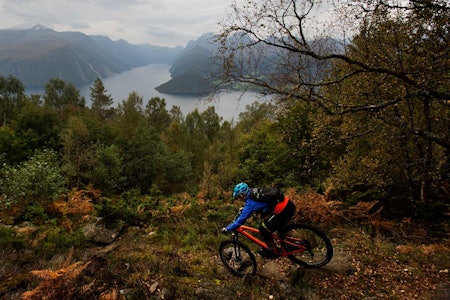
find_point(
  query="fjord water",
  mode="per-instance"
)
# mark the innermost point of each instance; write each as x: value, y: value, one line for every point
x: 143, y: 81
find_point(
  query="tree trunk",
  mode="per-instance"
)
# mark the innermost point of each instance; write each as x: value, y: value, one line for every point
x: 426, y: 179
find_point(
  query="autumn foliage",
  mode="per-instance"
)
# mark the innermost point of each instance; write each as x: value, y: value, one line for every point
x: 57, y: 284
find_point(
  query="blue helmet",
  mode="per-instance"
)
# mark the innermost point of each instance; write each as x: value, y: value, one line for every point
x: 241, y: 189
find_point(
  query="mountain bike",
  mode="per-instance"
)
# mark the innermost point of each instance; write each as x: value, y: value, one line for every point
x: 302, y: 244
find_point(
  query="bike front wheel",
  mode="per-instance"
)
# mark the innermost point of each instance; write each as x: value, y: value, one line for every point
x: 237, y: 258
x: 306, y: 245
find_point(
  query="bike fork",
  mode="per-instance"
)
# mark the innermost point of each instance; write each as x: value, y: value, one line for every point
x: 237, y: 250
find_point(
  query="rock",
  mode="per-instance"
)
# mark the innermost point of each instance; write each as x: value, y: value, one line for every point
x: 271, y: 269
x: 341, y: 264
x: 98, y: 233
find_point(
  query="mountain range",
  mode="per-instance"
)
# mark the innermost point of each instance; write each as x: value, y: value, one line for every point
x: 38, y: 54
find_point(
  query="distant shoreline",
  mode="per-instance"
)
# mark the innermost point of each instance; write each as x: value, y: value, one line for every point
x: 143, y: 81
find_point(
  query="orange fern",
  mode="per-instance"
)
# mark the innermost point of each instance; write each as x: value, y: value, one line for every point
x: 58, y: 284
x: 315, y: 208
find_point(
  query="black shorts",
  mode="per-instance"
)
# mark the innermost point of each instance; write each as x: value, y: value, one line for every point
x: 278, y: 221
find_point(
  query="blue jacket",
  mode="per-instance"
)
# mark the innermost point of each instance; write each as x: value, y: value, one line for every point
x: 250, y: 207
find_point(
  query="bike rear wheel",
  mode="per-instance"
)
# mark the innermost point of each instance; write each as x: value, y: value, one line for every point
x: 237, y: 258
x: 308, y: 246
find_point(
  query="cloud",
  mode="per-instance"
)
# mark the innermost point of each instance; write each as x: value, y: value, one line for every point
x: 158, y: 22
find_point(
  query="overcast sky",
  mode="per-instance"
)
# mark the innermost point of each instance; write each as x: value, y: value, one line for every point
x: 156, y: 22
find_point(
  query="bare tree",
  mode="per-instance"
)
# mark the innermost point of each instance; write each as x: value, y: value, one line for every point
x: 279, y: 29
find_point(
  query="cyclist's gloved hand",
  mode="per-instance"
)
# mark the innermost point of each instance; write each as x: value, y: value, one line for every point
x: 224, y: 230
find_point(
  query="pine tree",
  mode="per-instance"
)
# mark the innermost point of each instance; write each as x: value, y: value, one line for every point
x: 101, y: 101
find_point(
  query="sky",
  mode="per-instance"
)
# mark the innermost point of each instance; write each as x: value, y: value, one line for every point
x: 156, y: 22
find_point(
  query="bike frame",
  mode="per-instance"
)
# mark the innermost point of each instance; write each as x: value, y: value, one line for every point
x: 295, y: 243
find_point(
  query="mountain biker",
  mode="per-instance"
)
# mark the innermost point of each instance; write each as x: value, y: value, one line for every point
x: 275, y: 215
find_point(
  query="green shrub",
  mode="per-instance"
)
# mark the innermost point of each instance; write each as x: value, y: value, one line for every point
x: 130, y: 207
x: 35, y: 213
x: 60, y: 240
x: 221, y: 214
x: 38, y: 179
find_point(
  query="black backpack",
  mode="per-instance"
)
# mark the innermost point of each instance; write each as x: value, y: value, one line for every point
x: 273, y: 196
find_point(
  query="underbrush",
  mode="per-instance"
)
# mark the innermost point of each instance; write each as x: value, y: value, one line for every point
x: 169, y: 251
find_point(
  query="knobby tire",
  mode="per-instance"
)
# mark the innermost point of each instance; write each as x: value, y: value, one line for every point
x: 317, y: 247
x: 237, y: 258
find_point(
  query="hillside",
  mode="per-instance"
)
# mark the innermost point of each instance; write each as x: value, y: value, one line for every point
x: 173, y: 255
x: 198, y: 70
x: 193, y: 70
x: 38, y: 54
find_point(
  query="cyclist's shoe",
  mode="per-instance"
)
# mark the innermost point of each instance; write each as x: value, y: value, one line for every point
x: 267, y: 253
